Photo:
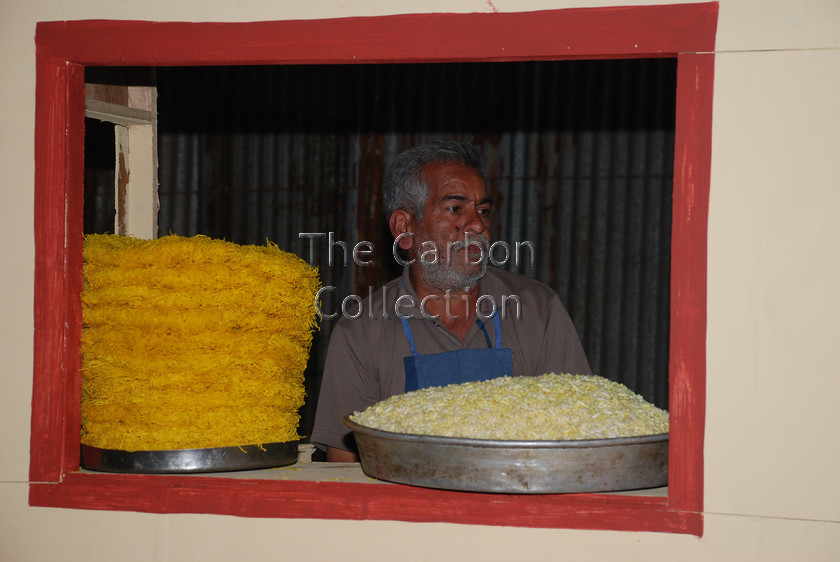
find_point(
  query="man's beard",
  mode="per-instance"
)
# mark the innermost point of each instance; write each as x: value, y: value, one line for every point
x: 442, y: 273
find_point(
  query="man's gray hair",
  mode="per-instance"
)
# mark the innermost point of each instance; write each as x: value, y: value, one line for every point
x: 404, y: 186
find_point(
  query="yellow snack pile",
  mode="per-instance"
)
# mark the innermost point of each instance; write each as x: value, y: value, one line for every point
x: 193, y: 342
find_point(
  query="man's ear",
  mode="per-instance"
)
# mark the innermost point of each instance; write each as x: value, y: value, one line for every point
x: 402, y: 222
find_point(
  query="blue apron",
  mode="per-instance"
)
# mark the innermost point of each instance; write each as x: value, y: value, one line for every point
x: 459, y: 366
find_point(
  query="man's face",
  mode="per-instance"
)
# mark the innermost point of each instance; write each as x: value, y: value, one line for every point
x: 456, y: 220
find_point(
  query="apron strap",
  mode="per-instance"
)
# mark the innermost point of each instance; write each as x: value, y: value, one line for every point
x: 483, y: 329
x: 497, y: 326
x: 408, y: 335
x: 407, y: 330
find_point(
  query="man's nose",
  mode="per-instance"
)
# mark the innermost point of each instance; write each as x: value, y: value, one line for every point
x: 474, y: 223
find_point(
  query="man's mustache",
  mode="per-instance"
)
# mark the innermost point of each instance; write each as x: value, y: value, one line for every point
x: 472, y: 240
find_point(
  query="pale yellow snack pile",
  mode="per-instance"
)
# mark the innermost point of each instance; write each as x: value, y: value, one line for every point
x: 550, y: 407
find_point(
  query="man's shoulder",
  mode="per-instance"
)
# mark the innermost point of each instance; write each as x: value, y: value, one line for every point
x: 366, y: 311
x: 518, y: 282
x: 524, y: 295
x: 385, y: 287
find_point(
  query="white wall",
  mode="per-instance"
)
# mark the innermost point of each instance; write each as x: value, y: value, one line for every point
x: 771, y: 452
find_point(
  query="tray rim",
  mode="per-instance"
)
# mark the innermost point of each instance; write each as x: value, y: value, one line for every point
x: 289, y: 449
x: 498, y: 443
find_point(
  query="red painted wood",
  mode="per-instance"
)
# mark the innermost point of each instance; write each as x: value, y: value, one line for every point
x: 692, y: 164
x: 591, y: 32
x: 64, y: 48
x: 48, y: 405
x: 59, y: 158
x: 332, y: 500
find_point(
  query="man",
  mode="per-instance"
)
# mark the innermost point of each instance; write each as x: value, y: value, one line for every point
x: 449, y: 318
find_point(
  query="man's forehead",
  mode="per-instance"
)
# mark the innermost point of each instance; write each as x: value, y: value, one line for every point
x: 453, y: 180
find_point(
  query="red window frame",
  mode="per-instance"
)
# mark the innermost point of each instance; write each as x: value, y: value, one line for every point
x: 64, y: 49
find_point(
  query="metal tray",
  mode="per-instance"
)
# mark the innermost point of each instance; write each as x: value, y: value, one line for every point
x: 514, y: 467
x: 214, y: 459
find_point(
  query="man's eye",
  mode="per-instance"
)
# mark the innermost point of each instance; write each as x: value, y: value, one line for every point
x: 484, y: 212
x: 454, y: 209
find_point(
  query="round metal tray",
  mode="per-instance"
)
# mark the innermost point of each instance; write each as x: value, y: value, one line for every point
x: 214, y: 459
x: 516, y: 467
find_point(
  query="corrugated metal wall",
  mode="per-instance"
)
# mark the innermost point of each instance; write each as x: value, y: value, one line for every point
x: 579, y: 157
